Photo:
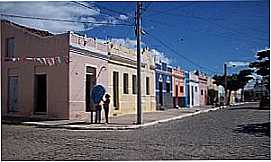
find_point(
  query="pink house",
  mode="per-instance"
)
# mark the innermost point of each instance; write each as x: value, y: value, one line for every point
x: 49, y: 76
x: 178, y: 86
x: 203, y: 89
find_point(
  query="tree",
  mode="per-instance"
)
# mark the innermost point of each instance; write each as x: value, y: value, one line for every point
x: 262, y: 66
x: 243, y: 77
x: 234, y: 81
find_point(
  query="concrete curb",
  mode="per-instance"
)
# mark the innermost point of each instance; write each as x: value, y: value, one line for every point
x: 128, y: 127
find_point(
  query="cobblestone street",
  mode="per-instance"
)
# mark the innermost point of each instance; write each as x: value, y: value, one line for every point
x: 234, y: 133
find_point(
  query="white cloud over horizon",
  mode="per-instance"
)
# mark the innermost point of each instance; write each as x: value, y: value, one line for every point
x: 54, y: 10
x: 123, y: 17
x: 237, y: 63
x: 130, y: 43
x: 160, y: 56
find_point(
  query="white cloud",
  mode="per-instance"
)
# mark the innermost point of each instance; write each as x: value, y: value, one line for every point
x: 123, y: 17
x: 53, y: 10
x: 237, y: 63
x: 129, y: 43
x: 159, y: 56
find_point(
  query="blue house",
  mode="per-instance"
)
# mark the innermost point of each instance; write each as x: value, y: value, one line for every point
x: 163, y: 76
x: 186, y: 102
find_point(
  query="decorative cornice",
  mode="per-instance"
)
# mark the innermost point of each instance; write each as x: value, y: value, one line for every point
x: 84, y: 52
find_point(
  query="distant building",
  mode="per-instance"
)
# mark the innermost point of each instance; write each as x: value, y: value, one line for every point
x: 194, y: 90
x: 203, y: 89
x: 187, y: 90
x: 178, y: 87
x: 221, y: 94
x: 163, y: 73
x: 212, y: 91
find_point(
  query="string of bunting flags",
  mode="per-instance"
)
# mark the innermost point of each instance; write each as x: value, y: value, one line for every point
x: 41, y: 60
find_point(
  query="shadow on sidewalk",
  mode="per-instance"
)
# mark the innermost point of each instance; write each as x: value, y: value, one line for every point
x: 257, y: 129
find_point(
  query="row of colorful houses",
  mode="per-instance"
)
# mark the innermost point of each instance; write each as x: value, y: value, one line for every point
x: 37, y: 82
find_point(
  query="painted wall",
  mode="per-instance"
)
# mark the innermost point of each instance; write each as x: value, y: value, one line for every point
x: 194, y: 90
x: 163, y: 74
x: 187, y: 89
x: 85, y: 52
x: 203, y: 92
x: 28, y: 44
x: 221, y: 94
x: 123, y: 60
x: 178, y: 88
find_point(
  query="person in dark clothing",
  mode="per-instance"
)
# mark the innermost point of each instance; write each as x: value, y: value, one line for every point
x: 98, y: 113
x: 106, y: 107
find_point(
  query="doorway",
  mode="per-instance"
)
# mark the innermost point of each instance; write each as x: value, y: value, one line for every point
x: 161, y: 93
x: 90, y: 83
x: 40, y: 94
x: 176, y: 96
x: 12, y: 93
x: 192, y: 95
x: 116, y: 90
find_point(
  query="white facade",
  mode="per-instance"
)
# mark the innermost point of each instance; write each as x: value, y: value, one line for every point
x: 194, y: 90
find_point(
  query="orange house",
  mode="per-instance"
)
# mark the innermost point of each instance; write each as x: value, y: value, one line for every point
x: 178, y: 86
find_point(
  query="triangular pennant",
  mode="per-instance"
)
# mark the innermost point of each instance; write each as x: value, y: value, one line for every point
x: 52, y: 61
x: 48, y: 61
x: 44, y: 61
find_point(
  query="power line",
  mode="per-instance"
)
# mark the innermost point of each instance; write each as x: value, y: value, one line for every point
x: 211, y: 33
x: 101, y: 13
x: 178, y: 54
x: 65, y: 20
x: 170, y: 9
x: 208, y: 20
x: 114, y: 11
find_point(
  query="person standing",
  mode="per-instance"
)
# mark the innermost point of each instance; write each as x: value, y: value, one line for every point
x: 98, y: 113
x: 106, y: 107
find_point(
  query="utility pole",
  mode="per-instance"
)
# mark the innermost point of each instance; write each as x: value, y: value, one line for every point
x: 138, y: 32
x: 225, y: 73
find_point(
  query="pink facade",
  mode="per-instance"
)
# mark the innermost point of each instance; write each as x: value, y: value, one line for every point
x: 177, y: 86
x: 62, y: 86
x: 84, y: 52
x: 203, y: 90
x: 178, y: 82
x: 30, y: 44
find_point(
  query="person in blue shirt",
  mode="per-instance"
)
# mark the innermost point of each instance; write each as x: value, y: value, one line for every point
x: 98, y: 107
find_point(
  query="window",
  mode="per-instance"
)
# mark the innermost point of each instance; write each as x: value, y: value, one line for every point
x: 201, y: 92
x: 147, y: 85
x: 196, y: 89
x: 12, y: 93
x: 181, y: 89
x: 134, y: 84
x: 168, y: 87
x: 10, y: 47
x: 125, y: 83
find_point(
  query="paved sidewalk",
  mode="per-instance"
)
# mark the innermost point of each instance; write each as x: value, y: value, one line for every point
x: 125, y: 122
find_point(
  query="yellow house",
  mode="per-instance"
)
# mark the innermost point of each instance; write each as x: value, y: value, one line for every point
x: 122, y: 84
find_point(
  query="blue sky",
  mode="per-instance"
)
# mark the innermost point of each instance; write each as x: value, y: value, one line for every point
x: 208, y: 33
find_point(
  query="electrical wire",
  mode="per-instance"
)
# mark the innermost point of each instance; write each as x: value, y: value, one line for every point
x: 209, y: 20
x: 178, y: 54
x: 65, y: 20
x: 114, y: 11
x: 83, y: 5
